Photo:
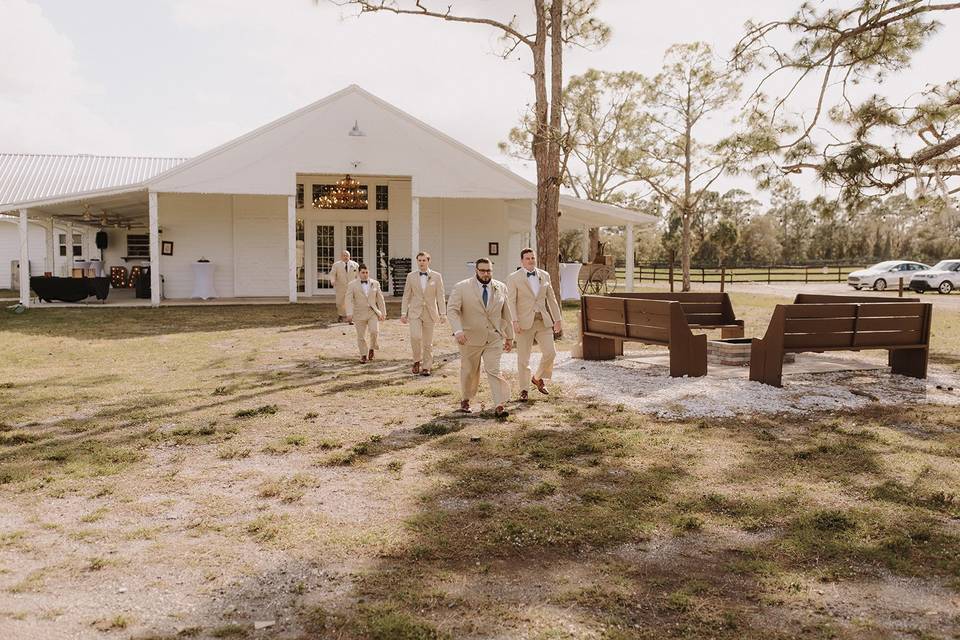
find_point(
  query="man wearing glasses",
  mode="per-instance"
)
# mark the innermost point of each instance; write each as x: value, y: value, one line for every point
x: 483, y: 328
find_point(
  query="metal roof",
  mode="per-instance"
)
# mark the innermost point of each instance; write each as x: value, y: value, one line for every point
x: 28, y: 177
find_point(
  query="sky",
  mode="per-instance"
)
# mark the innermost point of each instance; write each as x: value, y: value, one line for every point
x: 178, y: 77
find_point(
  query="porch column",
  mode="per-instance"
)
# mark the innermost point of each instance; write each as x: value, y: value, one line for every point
x: 24, y: 259
x: 630, y: 256
x: 69, y: 257
x: 533, y: 224
x: 51, y: 248
x: 415, y: 230
x: 585, y: 244
x: 292, y: 246
x: 154, y: 249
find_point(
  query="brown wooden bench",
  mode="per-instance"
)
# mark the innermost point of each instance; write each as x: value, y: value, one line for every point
x: 902, y: 328
x: 703, y: 310
x: 607, y: 321
x: 827, y: 298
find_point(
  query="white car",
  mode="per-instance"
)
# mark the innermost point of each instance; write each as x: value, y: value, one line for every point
x: 943, y: 276
x: 884, y: 274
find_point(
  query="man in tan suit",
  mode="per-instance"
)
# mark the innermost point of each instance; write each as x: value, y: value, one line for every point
x: 423, y: 306
x: 343, y: 272
x: 536, y: 317
x: 482, y: 326
x: 365, y: 308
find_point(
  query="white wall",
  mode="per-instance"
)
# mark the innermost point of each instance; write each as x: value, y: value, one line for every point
x: 200, y: 226
x: 10, y: 250
x: 468, y: 226
x: 260, y: 245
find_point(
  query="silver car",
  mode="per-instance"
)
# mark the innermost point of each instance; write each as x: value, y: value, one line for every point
x: 884, y: 274
x: 943, y: 276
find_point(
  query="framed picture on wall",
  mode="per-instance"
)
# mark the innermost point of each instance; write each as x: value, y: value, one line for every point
x: 166, y: 248
x: 493, y: 248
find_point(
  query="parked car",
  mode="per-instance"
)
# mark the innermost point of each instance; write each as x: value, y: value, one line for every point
x: 943, y: 276
x: 884, y: 274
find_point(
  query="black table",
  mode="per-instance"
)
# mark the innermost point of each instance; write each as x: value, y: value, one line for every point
x: 69, y: 289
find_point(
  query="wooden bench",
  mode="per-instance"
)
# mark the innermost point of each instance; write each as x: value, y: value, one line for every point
x: 702, y: 310
x: 826, y: 298
x: 607, y: 321
x: 902, y: 328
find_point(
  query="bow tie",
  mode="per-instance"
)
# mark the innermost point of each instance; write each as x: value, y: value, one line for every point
x: 531, y: 274
x: 364, y: 282
x: 424, y: 274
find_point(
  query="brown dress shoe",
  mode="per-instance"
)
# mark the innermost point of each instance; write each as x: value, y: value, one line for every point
x: 539, y: 384
x: 465, y: 406
x: 524, y: 396
x: 425, y: 372
x: 363, y: 359
x: 370, y: 357
x: 500, y: 412
x: 416, y: 368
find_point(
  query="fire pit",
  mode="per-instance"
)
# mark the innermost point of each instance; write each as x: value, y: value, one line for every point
x: 733, y: 352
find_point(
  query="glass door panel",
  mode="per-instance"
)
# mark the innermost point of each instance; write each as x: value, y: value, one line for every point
x: 353, y: 242
x: 326, y: 255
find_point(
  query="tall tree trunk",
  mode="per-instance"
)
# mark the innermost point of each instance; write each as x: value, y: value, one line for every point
x: 548, y: 223
x: 686, y: 211
x: 594, y: 244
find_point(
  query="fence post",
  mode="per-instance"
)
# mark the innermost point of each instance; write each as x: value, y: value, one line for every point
x: 839, y: 278
x: 723, y: 277
x: 768, y: 273
x: 640, y: 273
x: 806, y: 275
x: 670, y: 276
x: 900, y: 288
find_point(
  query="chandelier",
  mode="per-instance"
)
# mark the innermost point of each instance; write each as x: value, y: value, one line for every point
x: 348, y: 193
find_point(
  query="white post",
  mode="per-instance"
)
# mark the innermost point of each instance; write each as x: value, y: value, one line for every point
x: 24, y: 259
x: 51, y: 248
x: 292, y: 246
x: 630, y: 256
x: 69, y: 257
x: 154, y: 249
x: 415, y: 230
x: 585, y: 245
x: 533, y: 224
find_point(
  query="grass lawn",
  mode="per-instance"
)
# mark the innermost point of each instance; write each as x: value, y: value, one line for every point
x: 198, y: 472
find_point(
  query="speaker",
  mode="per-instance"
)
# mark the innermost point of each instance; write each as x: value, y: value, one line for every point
x: 102, y: 239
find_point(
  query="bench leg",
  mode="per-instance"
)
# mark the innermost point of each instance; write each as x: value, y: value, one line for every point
x: 689, y: 359
x: 595, y: 348
x: 765, y: 367
x: 731, y: 332
x: 909, y: 362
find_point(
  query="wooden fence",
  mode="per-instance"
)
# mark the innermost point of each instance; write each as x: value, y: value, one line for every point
x: 649, y: 272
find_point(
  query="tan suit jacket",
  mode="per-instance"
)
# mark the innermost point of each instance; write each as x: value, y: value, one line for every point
x: 524, y: 304
x: 342, y: 273
x: 364, y: 306
x: 418, y: 301
x: 480, y: 325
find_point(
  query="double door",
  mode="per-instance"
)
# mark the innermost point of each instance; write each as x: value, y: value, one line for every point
x: 330, y: 240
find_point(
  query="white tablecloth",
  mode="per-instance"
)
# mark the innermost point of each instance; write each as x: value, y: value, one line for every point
x: 203, y: 281
x: 569, y: 280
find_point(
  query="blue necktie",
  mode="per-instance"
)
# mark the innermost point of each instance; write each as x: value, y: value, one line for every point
x: 484, y: 295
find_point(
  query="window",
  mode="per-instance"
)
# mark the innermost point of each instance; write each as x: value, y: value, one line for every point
x: 353, y: 242
x: 77, y: 245
x: 383, y: 197
x: 383, y: 251
x: 325, y: 189
x: 299, y: 196
x: 138, y: 246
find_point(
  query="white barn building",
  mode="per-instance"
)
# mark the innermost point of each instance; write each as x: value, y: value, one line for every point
x: 246, y: 205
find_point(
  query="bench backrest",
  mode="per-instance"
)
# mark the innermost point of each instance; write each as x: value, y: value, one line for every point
x: 706, y: 308
x: 642, y: 320
x: 809, y: 327
x: 826, y: 298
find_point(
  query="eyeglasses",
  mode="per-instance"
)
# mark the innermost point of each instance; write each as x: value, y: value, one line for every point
x: 484, y: 270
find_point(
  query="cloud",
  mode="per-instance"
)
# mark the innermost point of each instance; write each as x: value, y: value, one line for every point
x: 45, y: 102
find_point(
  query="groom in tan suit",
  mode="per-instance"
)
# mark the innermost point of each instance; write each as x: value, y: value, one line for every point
x: 423, y: 306
x: 343, y: 272
x: 536, y: 317
x: 365, y: 307
x: 482, y: 326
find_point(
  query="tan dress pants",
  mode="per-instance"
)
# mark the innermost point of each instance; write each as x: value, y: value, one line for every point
x: 421, y: 340
x: 373, y: 325
x: 543, y: 336
x: 341, y: 292
x: 475, y: 360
